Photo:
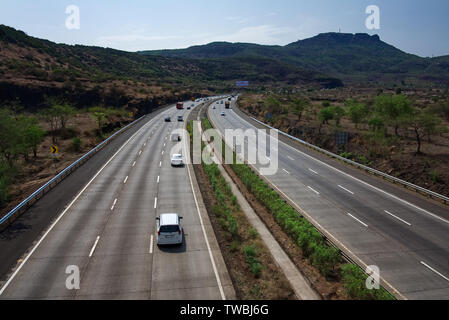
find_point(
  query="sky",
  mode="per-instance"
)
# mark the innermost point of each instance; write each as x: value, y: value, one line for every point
x: 416, y: 26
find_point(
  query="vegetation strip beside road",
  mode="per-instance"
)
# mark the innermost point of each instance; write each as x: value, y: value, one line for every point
x: 327, y: 259
x: 253, y: 271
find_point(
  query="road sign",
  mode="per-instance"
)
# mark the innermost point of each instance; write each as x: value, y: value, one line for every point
x: 341, y: 138
x: 242, y: 83
x: 54, y: 149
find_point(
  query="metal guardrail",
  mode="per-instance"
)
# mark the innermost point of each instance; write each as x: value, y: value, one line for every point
x: 39, y: 193
x: 346, y: 254
x: 429, y: 193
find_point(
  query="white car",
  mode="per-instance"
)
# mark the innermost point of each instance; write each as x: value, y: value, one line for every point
x: 222, y: 114
x: 169, y: 230
x: 177, y: 160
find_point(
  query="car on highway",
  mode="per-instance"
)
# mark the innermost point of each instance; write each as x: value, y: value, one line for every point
x: 177, y: 160
x: 214, y: 107
x: 180, y: 118
x: 167, y: 119
x: 221, y: 102
x: 188, y: 108
x: 169, y: 229
x: 222, y: 114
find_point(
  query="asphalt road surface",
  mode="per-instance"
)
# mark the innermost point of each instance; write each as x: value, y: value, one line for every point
x: 404, y: 235
x: 107, y: 232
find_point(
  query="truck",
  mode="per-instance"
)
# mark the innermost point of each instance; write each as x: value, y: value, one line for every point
x: 227, y: 104
x: 180, y: 105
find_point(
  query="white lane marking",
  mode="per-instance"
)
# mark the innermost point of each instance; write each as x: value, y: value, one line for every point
x: 313, y: 171
x: 164, y: 144
x: 155, y: 202
x: 345, y: 189
x: 140, y: 152
x: 134, y: 163
x: 126, y: 179
x: 162, y: 152
x: 158, y: 179
x: 160, y: 164
x: 438, y: 273
x: 69, y: 206
x: 363, y: 223
x: 145, y: 144
x: 356, y: 179
x: 214, y: 267
x: 397, y: 217
x: 290, y: 158
x: 151, y: 244
x: 93, y: 248
x: 286, y: 171
x: 313, y: 190
x: 113, y: 205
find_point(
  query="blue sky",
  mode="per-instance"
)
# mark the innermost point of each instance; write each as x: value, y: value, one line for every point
x: 416, y: 26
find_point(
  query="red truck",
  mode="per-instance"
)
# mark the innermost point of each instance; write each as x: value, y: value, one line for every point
x: 180, y: 105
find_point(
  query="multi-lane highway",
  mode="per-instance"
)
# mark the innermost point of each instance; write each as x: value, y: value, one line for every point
x: 406, y: 236
x: 107, y: 231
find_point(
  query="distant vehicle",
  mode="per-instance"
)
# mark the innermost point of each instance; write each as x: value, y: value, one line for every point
x: 167, y: 119
x: 169, y: 229
x: 180, y: 118
x: 227, y: 105
x: 188, y: 108
x: 214, y: 107
x: 221, y: 102
x: 175, y: 137
x: 229, y: 99
x: 177, y: 160
x: 180, y: 105
x: 223, y: 114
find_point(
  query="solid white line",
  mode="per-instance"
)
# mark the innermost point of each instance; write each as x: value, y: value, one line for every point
x: 313, y: 171
x: 444, y: 277
x: 356, y: 179
x: 346, y: 189
x: 357, y: 220
x: 214, y: 267
x: 397, y: 217
x: 313, y: 190
x: 286, y: 171
x: 93, y: 248
x: 155, y: 202
x: 68, y: 207
x: 126, y: 179
x: 290, y: 158
x: 151, y: 244
x: 134, y: 163
x: 158, y: 179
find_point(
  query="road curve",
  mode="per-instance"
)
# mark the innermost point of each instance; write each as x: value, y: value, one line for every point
x: 107, y: 232
x: 405, y: 236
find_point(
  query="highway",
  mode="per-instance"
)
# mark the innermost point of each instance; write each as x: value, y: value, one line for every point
x: 107, y: 231
x: 402, y: 233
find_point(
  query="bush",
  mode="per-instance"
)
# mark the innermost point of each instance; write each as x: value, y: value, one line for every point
x: 251, y: 259
x: 355, y: 285
x: 76, y: 144
x: 253, y: 233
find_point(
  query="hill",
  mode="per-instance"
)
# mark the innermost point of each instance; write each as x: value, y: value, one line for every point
x: 351, y: 57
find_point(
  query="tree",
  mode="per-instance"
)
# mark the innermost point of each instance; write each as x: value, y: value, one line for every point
x: 393, y: 109
x: 99, y: 114
x: 424, y: 123
x: 33, y: 135
x: 272, y: 104
x: 325, y: 115
x: 299, y: 105
x: 63, y: 113
x: 357, y: 112
x: 338, y: 113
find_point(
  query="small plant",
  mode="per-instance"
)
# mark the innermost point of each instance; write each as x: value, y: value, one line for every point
x: 253, y: 233
x: 251, y: 259
x: 76, y: 144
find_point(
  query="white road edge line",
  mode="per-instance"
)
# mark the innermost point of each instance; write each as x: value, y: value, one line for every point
x: 345, y: 189
x: 68, y: 207
x: 93, y: 248
x: 441, y: 275
x: 313, y: 189
x: 126, y: 179
x: 313, y: 171
x: 409, y: 224
x: 363, y: 223
x: 220, y: 287
x: 151, y: 244
x: 356, y: 179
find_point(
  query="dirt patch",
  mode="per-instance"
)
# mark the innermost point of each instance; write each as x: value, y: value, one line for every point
x: 329, y: 289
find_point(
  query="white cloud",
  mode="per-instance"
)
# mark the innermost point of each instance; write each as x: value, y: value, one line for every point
x: 263, y: 34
